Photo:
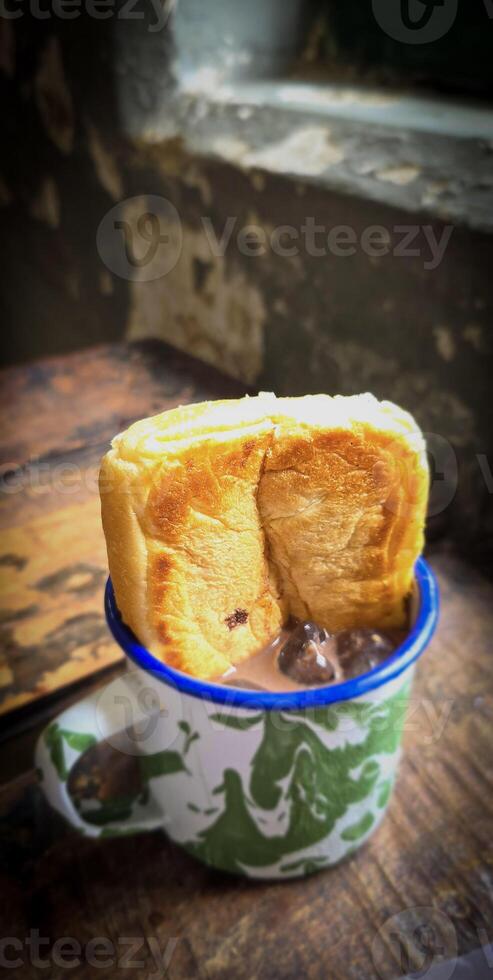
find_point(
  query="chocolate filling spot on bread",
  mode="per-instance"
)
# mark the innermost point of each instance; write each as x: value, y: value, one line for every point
x: 236, y: 618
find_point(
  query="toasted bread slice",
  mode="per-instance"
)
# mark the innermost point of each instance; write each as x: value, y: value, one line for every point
x: 223, y: 519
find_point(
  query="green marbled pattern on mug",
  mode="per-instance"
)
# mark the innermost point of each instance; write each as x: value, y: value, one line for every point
x: 292, y: 765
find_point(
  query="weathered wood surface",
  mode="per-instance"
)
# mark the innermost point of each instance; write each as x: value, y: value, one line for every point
x: 433, y: 852
x: 56, y: 420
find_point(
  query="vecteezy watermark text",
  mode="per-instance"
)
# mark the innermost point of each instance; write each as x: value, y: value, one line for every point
x: 146, y: 718
x: 140, y: 239
x: 40, y: 478
x: 100, y: 953
x: 157, y: 11
x: 318, y: 240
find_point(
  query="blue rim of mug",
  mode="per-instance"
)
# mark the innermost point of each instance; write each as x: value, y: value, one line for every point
x: 413, y: 646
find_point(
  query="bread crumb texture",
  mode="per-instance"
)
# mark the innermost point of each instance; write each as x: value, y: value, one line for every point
x: 224, y: 518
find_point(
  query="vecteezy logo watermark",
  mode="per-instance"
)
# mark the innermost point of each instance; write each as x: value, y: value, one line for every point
x: 157, y: 16
x: 140, y: 239
x: 414, y: 942
x: 134, y: 716
x: 415, y: 21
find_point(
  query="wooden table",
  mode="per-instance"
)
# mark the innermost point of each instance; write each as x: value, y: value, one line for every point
x: 433, y: 852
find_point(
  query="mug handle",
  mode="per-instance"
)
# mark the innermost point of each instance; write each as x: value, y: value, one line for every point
x: 65, y: 740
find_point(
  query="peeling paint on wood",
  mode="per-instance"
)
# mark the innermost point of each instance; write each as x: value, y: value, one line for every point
x: 232, y: 148
x: 105, y: 164
x: 222, y: 322
x: 193, y: 176
x: 473, y: 333
x: 445, y: 342
x: 53, y: 97
x: 401, y: 175
x: 45, y: 206
x: 309, y: 151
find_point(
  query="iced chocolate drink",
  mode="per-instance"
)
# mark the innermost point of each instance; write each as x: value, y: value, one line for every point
x: 304, y: 656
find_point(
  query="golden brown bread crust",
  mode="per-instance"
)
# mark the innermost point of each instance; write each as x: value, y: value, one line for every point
x: 221, y: 519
